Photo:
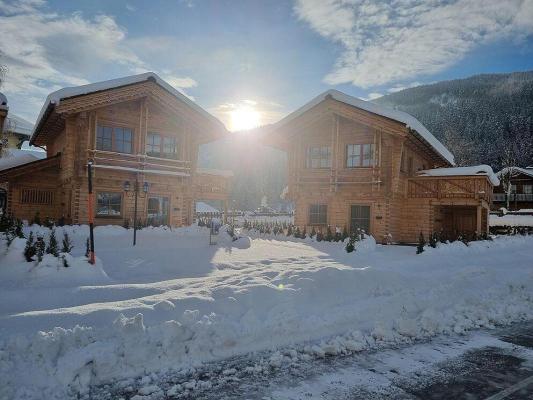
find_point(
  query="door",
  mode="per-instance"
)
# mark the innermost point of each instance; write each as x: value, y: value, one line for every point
x: 360, y: 218
x: 158, y: 210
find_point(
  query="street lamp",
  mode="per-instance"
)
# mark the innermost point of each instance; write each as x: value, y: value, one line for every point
x: 135, y: 194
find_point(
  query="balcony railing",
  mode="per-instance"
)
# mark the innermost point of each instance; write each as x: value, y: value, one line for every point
x: 450, y: 187
x: 501, y: 197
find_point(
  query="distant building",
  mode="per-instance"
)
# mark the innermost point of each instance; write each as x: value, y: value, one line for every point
x: 521, y: 193
x: 16, y: 130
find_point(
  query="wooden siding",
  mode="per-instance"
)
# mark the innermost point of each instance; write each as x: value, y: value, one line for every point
x: 401, y: 204
x: 143, y: 108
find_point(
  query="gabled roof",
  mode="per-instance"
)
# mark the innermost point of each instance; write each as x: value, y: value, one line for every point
x: 525, y: 171
x: 475, y: 170
x: 396, y: 115
x: 55, y: 98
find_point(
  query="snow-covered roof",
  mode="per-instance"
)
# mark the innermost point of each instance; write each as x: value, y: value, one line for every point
x: 525, y: 171
x: 202, y: 207
x: 15, y: 157
x: 19, y: 125
x: 390, y: 113
x: 220, y: 172
x: 55, y: 98
x: 475, y: 170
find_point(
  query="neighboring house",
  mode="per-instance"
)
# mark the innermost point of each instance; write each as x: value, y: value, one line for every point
x: 355, y: 164
x: 16, y: 131
x: 521, y: 189
x: 139, y: 132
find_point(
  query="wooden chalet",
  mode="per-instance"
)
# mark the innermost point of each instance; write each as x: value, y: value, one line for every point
x: 355, y: 164
x: 520, y: 195
x: 139, y: 132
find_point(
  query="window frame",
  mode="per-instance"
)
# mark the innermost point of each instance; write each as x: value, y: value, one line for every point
x: 120, y: 215
x: 162, y: 153
x: 114, y: 128
x: 309, y: 158
x: 360, y: 156
x: 322, y: 208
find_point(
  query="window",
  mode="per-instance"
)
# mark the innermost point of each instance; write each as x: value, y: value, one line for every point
x: 318, y: 214
x: 161, y: 146
x: 319, y: 157
x: 527, y: 189
x: 153, y: 145
x: 359, y: 155
x: 360, y: 218
x: 513, y: 188
x: 109, y: 204
x: 36, y: 196
x: 114, y: 139
x: 170, y: 147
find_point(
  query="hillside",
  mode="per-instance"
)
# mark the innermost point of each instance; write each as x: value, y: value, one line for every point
x: 476, y: 117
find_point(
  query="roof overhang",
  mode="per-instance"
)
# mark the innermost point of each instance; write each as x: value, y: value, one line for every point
x: 31, y: 167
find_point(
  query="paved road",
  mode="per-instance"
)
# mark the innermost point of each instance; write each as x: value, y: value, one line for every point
x: 483, y: 365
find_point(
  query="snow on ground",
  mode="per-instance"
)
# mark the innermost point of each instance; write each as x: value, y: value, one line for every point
x: 173, y: 302
x: 511, y: 220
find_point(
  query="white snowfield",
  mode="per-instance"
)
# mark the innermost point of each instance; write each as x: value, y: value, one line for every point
x: 174, y: 302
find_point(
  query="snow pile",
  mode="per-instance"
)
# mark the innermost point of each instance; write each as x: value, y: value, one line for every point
x: 463, y: 171
x: 511, y: 220
x: 175, y: 302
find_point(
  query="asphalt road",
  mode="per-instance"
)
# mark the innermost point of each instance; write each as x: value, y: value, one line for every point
x: 482, y: 365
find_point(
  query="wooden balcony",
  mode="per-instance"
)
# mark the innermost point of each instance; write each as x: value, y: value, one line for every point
x: 450, y: 187
x: 211, y: 185
x: 139, y: 162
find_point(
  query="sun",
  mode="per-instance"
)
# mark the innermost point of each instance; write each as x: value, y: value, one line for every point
x: 245, y: 117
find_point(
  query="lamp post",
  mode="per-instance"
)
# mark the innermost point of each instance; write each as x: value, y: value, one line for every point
x: 135, y: 194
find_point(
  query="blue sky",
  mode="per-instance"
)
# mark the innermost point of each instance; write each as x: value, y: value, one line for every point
x: 270, y: 55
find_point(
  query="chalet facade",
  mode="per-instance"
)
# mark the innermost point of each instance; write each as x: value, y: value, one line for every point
x: 140, y: 135
x: 519, y: 194
x: 355, y: 164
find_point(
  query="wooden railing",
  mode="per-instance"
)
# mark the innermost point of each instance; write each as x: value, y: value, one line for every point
x: 447, y: 187
x: 138, y: 161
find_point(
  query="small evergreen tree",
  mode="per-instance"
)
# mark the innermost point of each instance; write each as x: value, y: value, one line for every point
x: 313, y: 232
x: 289, y: 230
x: 297, y: 232
x: 18, y: 229
x: 329, y: 234
x: 421, y: 244
x: 29, y: 249
x: 5, y: 223
x: 350, y: 246
x: 52, y: 247
x: 319, y: 236
x: 87, y: 248
x: 433, y: 240
x: 67, y: 244
x: 304, y: 233
x: 65, y: 262
x: 40, y: 248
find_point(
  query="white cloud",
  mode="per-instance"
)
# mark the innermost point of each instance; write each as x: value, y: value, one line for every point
x: 390, y: 42
x: 45, y: 51
x: 373, y: 95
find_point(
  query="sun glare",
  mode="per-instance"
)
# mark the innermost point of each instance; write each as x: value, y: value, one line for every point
x: 245, y: 117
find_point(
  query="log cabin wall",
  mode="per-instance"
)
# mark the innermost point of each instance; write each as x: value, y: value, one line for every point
x: 382, y: 188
